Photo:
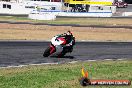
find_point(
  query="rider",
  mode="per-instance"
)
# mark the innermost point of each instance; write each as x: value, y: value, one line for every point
x: 63, y: 40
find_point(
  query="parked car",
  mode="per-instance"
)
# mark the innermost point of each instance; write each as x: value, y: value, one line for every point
x: 120, y: 4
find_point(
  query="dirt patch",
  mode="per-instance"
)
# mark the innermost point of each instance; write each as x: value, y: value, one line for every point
x: 45, y: 32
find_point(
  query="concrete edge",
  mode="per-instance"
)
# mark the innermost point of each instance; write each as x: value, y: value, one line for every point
x: 72, y: 62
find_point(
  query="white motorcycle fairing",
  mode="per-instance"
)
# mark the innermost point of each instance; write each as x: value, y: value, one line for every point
x: 58, y: 41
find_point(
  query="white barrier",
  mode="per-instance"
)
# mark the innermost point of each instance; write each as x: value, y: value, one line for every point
x: 127, y: 14
x: 86, y: 14
x: 42, y: 16
x: 51, y: 15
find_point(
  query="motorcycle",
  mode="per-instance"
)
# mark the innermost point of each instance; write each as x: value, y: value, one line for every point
x: 59, y: 47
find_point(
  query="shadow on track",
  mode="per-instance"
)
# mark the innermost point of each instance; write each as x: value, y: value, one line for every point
x: 66, y: 57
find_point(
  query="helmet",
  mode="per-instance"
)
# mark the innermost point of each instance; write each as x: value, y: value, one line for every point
x: 69, y: 33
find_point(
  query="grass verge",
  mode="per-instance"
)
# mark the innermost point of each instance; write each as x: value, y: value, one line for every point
x: 64, y: 75
x: 79, y: 21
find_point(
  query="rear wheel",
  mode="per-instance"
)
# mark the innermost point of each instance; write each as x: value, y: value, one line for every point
x: 47, y: 52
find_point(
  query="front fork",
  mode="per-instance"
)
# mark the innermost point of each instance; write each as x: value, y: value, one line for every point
x: 57, y: 49
x: 52, y: 49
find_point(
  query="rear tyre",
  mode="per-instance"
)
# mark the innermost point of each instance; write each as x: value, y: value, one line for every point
x: 47, y: 52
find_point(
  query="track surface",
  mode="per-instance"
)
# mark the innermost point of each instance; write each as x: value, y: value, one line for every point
x: 13, y: 53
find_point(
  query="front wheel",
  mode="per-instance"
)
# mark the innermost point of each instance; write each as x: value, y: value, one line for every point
x: 47, y: 52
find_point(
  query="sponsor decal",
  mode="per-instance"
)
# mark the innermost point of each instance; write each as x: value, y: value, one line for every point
x: 85, y: 80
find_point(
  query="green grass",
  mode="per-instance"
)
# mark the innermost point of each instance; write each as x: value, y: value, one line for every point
x: 64, y: 75
x: 80, y: 21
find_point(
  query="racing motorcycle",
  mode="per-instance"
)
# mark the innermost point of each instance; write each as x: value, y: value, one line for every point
x: 59, y: 47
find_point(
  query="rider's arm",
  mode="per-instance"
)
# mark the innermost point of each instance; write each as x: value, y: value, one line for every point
x: 72, y: 42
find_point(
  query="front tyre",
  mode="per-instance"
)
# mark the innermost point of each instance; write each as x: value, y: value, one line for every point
x: 47, y: 52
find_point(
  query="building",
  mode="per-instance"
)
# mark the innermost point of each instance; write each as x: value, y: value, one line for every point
x: 24, y: 7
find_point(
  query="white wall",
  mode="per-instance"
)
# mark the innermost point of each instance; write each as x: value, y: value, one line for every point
x: 16, y: 8
x: 19, y: 8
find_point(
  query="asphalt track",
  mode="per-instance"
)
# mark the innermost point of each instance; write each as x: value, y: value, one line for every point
x: 14, y: 53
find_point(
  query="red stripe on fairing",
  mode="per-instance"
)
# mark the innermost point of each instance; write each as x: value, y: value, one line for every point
x: 52, y: 49
x: 62, y: 39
